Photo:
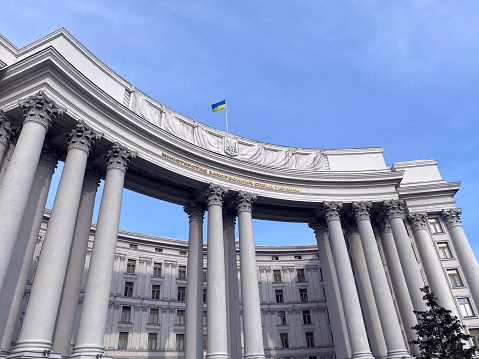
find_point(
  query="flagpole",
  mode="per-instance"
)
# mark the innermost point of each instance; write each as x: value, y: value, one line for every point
x: 226, y: 119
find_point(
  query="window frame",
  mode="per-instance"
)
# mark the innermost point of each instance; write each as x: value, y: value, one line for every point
x: 303, y: 295
x: 279, y: 294
x: 155, y: 291
x: 123, y: 340
x: 180, y: 317
x: 435, y: 225
x: 444, y: 254
x: 307, y: 318
x: 284, y: 340
x: 152, y: 338
x: 125, y: 316
x: 300, y: 275
x: 181, y: 297
x: 131, y: 266
x: 455, y: 279
x: 180, y: 342
x: 129, y: 289
x: 157, y: 269
x: 154, y: 314
x: 309, y: 336
x: 281, y: 318
x: 181, y: 272
x: 465, y: 308
x: 277, y: 277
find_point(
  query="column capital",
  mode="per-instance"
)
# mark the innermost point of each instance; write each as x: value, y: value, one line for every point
x: 350, y: 225
x: 362, y: 210
x: 317, y: 224
x: 331, y: 210
x: 383, y: 223
x: 195, y: 211
x: 452, y: 217
x: 244, y: 201
x: 92, y: 177
x: 418, y: 220
x: 81, y: 136
x: 214, y: 194
x: 118, y: 157
x: 40, y: 109
x: 48, y: 157
x: 229, y: 218
x: 6, y: 131
x: 394, y: 208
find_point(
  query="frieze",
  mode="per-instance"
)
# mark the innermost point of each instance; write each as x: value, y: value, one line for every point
x: 418, y: 220
x: 452, y: 217
x: 39, y: 108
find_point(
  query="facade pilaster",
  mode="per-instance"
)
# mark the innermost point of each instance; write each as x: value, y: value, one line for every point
x: 396, y: 348
x: 39, y: 112
x: 351, y: 307
x: 39, y: 322
x: 252, y: 328
x: 91, y: 330
x: 6, y: 134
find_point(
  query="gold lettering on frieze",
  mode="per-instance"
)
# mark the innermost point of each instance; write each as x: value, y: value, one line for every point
x: 228, y: 177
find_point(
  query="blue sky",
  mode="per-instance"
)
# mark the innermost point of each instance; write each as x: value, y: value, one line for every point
x: 403, y: 75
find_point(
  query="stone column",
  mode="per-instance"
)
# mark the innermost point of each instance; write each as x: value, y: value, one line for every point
x: 331, y: 287
x: 252, y: 328
x: 76, y: 264
x: 91, y: 329
x: 351, y: 307
x: 394, y: 213
x: 194, y: 284
x: 401, y: 292
x: 469, y: 266
x: 39, y: 322
x: 17, y: 275
x: 6, y: 134
x: 430, y: 261
x: 382, y: 294
x: 39, y: 111
x: 232, y: 291
x: 216, y: 288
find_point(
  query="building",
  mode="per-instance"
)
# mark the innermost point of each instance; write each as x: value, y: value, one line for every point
x: 382, y: 231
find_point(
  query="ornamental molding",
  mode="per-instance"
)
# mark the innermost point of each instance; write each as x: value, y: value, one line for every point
x: 118, y: 157
x: 48, y: 157
x: 331, y: 210
x: 362, y: 210
x: 418, y: 220
x: 244, y: 201
x: 393, y: 209
x: 6, y: 131
x: 39, y: 108
x: 81, y: 136
x: 214, y: 194
x: 452, y: 217
x: 195, y: 211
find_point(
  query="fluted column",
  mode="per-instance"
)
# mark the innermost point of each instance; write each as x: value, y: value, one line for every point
x: 382, y: 294
x: 38, y: 325
x: 469, y: 266
x: 352, y: 310
x: 91, y: 329
x: 39, y: 111
x: 194, y: 284
x: 252, y: 328
x: 394, y: 211
x: 6, y: 134
x: 430, y: 261
x: 216, y: 287
x: 76, y: 264
x: 333, y: 297
x: 16, y: 279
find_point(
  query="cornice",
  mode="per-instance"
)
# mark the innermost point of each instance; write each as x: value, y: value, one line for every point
x: 425, y: 190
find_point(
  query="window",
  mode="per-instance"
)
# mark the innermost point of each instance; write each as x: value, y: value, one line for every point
x: 180, y: 342
x: 277, y: 276
x: 125, y: 314
x: 133, y: 246
x: 128, y: 289
x: 154, y: 315
x: 465, y: 307
x: 300, y: 275
x: 297, y: 257
x: 274, y: 258
x: 183, y: 253
x: 309, y: 339
x: 131, y: 266
x: 182, y: 272
x: 279, y: 296
x: 444, y: 250
x: 152, y: 338
x: 303, y: 295
x: 155, y: 291
x: 205, y: 343
x: 158, y: 250
x: 306, y: 317
x: 205, y: 275
x: 435, y: 226
x: 156, y: 269
x: 180, y: 317
x: 284, y: 340
x: 181, y: 294
x: 281, y: 317
x: 454, y: 278
x: 204, y: 319
x: 475, y: 337
x: 204, y: 295
x: 122, y: 340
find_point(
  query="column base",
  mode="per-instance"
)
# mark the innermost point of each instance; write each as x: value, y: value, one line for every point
x: 87, y: 356
x: 399, y: 355
x: 363, y: 355
x: 217, y: 356
x: 33, y: 354
x: 88, y: 352
x: 254, y: 356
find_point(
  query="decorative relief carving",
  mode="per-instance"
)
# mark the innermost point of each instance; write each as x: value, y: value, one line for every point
x: 82, y: 137
x: 164, y: 310
x: 361, y: 210
x: 116, y: 306
x: 452, y: 217
x: 170, y: 264
x: 172, y: 310
x: 195, y: 211
x: 231, y: 146
x: 40, y: 109
x: 118, y: 157
x: 144, y: 308
x: 48, y: 157
x: 244, y: 201
x: 6, y: 132
x: 418, y: 220
x: 331, y: 210
x: 290, y: 311
x: 214, y: 194
x: 92, y: 177
x: 394, y: 209
x: 287, y: 269
x: 137, y: 308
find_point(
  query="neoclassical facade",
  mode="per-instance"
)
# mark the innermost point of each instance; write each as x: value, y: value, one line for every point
x: 70, y: 289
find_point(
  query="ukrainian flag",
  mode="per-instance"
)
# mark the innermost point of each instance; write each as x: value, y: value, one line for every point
x: 218, y: 106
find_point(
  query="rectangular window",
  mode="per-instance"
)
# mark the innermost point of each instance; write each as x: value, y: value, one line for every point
x: 284, y: 340
x: 303, y: 295
x: 277, y: 276
x: 465, y: 307
x: 182, y: 272
x: 158, y: 250
x: 131, y: 266
x: 128, y: 292
x: 274, y: 258
x: 180, y: 317
x: 475, y: 337
x: 309, y: 340
x: 155, y: 291
x: 125, y: 314
x: 133, y: 246
x: 123, y: 340
x: 152, y: 339
x: 205, y: 343
x: 180, y: 342
x: 454, y: 278
x: 279, y: 296
x: 205, y: 275
x: 183, y: 253
x: 156, y: 269
x: 444, y: 250
x: 204, y: 319
x: 306, y: 317
x: 281, y: 317
x: 154, y: 316
x: 300, y: 275
x: 204, y: 295
x: 435, y: 225
x: 181, y: 294
x: 297, y: 257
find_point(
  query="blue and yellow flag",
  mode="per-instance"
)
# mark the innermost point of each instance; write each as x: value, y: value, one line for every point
x: 218, y: 106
